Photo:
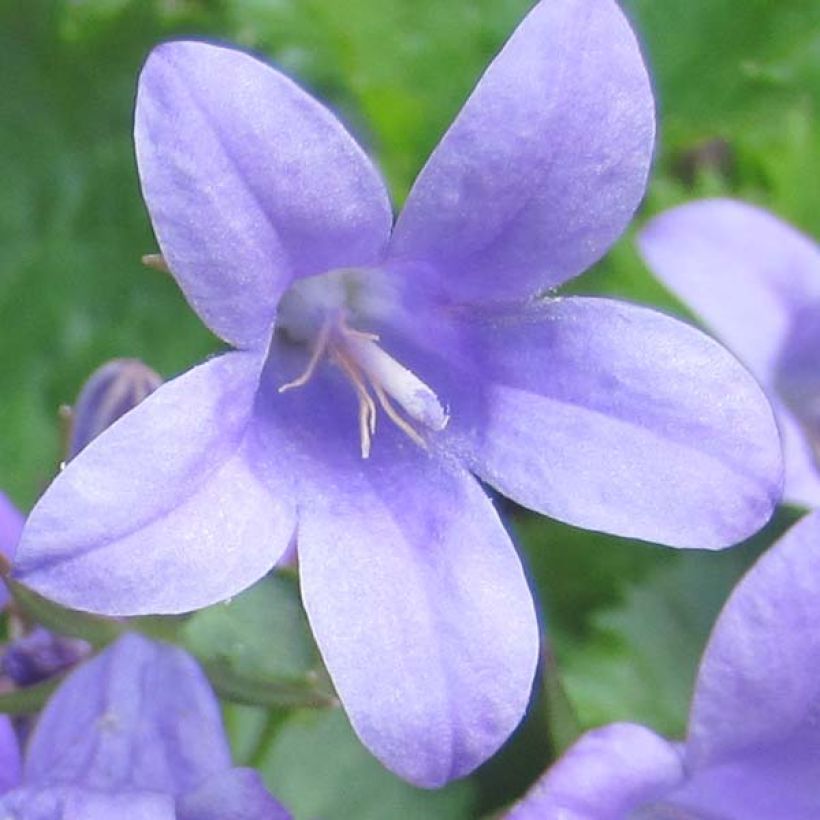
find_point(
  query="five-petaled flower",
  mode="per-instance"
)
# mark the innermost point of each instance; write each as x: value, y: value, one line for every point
x: 755, y: 282
x: 380, y: 369
x: 753, y: 745
x: 136, y: 732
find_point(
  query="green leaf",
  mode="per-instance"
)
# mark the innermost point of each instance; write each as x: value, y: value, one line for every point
x: 28, y: 699
x: 257, y: 647
x: 318, y: 768
x: 95, y: 629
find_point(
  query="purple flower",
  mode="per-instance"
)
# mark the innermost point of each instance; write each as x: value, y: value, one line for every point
x: 755, y: 282
x: 278, y: 229
x: 11, y: 525
x: 135, y: 733
x: 753, y: 745
x: 39, y: 655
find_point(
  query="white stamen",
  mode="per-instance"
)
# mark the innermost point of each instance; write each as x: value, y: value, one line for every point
x: 401, y: 384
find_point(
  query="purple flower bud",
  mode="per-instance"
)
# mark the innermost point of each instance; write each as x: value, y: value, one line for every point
x: 110, y: 392
x: 41, y: 654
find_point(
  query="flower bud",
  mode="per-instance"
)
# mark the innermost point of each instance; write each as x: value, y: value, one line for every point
x: 110, y: 392
x: 41, y: 654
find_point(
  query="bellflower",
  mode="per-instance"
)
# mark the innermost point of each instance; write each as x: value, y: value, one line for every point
x: 753, y: 745
x: 136, y: 732
x: 755, y: 282
x: 379, y: 369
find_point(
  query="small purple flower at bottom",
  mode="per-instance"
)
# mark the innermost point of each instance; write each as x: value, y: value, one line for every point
x: 755, y: 282
x: 753, y: 745
x: 381, y: 370
x: 136, y: 732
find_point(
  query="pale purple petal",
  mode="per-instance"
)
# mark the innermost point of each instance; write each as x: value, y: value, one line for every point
x: 617, y: 418
x: 742, y: 270
x: 11, y: 525
x: 162, y: 513
x: 545, y: 165
x: 777, y: 781
x: 250, y: 182
x: 758, y: 685
x: 139, y: 716
x: 237, y: 794
x: 416, y: 596
x: 802, y: 484
x: 10, y: 763
x: 606, y: 775
x: 423, y: 616
x: 69, y: 803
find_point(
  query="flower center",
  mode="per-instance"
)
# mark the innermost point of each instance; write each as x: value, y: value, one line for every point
x: 317, y: 311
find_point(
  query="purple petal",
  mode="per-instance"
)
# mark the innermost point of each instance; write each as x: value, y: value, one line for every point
x: 545, y: 165
x: 139, y: 716
x: 250, y: 182
x: 415, y: 594
x: 742, y: 270
x: 237, y: 794
x: 162, y: 512
x: 11, y: 525
x: 775, y: 782
x: 758, y: 684
x: 9, y: 756
x: 607, y: 774
x: 800, y: 459
x: 68, y: 803
x: 617, y: 418
x: 423, y: 617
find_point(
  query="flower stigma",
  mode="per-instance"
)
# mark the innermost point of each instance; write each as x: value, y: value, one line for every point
x: 317, y: 311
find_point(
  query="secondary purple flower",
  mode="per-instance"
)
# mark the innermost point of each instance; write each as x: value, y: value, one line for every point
x: 378, y: 371
x: 755, y: 282
x: 11, y: 525
x: 39, y: 655
x: 109, y: 393
x: 753, y: 745
x: 136, y: 732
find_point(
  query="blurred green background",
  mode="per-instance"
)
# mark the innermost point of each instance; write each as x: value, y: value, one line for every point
x: 738, y: 89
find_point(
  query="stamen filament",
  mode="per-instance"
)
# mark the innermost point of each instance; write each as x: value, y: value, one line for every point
x: 367, y: 408
x: 318, y: 349
x: 394, y: 416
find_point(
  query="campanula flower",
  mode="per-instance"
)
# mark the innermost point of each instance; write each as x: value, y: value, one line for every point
x: 11, y: 525
x: 381, y: 370
x: 753, y: 745
x: 136, y: 732
x: 755, y: 282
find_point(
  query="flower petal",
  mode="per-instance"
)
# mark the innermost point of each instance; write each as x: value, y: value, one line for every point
x: 162, y: 513
x: 9, y: 756
x: 423, y: 617
x: 546, y: 163
x: 757, y: 685
x: 237, y: 794
x: 250, y: 182
x: 802, y: 472
x: 11, y: 525
x: 607, y: 774
x: 617, y: 418
x: 139, y: 716
x: 68, y: 802
x: 415, y: 594
x: 742, y: 270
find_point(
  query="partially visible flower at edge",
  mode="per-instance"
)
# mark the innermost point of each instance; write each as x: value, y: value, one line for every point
x: 11, y: 525
x: 279, y: 231
x: 136, y: 732
x: 755, y: 282
x: 753, y: 745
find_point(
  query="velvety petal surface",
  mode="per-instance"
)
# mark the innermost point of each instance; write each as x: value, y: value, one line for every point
x: 10, y: 763
x: 742, y: 270
x: 546, y: 163
x: 11, y: 525
x: 141, y: 716
x: 757, y: 687
x: 250, y: 182
x: 415, y: 594
x: 237, y: 794
x: 70, y: 803
x: 617, y: 418
x: 606, y: 775
x: 161, y: 513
